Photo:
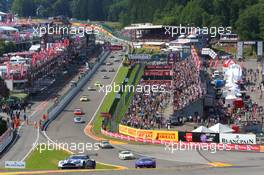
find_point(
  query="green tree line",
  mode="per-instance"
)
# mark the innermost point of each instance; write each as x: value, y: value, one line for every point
x: 245, y: 16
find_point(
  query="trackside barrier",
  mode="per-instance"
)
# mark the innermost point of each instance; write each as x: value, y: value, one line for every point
x: 58, y: 108
x: 218, y: 146
x: 6, y: 139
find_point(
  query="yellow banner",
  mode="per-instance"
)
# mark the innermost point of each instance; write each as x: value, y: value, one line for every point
x: 149, y: 134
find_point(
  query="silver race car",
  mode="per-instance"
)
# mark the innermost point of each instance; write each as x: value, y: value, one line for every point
x: 77, y: 161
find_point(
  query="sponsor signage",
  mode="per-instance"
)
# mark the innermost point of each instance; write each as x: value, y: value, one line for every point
x: 171, y: 58
x: 157, y: 73
x: 248, y: 139
x: 260, y: 48
x: 145, y: 134
x: 240, y: 49
x: 159, y: 67
x: 115, y: 47
x: 199, y: 137
x: 249, y: 42
x: 139, y: 56
x: 166, y: 135
x: 15, y: 164
x: 149, y: 134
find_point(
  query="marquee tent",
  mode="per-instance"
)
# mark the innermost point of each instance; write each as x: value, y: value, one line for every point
x: 203, y: 129
x: 220, y: 128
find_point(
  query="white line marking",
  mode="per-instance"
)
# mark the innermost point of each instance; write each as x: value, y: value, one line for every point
x: 33, y: 147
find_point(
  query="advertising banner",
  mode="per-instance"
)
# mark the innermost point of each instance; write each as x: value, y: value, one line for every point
x: 145, y: 134
x: 115, y: 47
x: 238, y: 138
x: 260, y: 48
x: 165, y: 135
x: 159, y: 67
x: 199, y: 137
x: 139, y: 57
x: 158, y: 73
x: 240, y: 49
x: 15, y: 164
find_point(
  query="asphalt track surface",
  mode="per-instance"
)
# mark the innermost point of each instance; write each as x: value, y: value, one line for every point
x: 63, y: 130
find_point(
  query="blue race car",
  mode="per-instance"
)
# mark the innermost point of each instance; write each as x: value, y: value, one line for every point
x: 145, y: 162
x: 77, y: 161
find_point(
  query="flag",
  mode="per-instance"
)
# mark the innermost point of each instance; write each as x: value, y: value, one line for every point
x: 216, y: 63
x: 211, y: 62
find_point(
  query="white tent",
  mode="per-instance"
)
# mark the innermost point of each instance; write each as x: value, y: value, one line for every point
x: 202, y: 129
x: 220, y: 128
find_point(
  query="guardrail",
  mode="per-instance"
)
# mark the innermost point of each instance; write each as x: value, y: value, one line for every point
x: 58, y: 107
x: 6, y: 139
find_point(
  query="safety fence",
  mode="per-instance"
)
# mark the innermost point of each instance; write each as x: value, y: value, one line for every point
x: 6, y: 139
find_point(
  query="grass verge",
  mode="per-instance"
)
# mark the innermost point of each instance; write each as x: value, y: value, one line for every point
x: 48, y: 160
x: 108, y: 101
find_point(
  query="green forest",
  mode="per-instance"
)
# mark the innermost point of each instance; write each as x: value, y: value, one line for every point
x: 245, y: 16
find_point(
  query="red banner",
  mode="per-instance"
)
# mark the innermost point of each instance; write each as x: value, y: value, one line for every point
x: 159, y: 67
x: 158, y: 73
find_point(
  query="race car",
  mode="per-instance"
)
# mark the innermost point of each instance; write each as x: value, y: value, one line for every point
x: 105, y: 77
x: 77, y: 111
x: 84, y: 98
x: 112, y: 70
x: 126, y: 155
x: 77, y: 161
x: 97, y: 84
x: 145, y: 162
x: 91, y: 89
x: 104, y: 144
x: 78, y: 119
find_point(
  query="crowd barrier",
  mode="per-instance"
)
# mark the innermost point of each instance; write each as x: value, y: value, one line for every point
x: 149, y: 137
x: 6, y: 139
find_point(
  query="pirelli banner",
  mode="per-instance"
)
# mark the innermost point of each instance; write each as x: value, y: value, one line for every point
x: 149, y: 134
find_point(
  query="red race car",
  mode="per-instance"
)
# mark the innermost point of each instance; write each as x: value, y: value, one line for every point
x: 77, y: 111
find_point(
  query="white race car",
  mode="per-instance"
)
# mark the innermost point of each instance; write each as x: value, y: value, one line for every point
x: 126, y: 155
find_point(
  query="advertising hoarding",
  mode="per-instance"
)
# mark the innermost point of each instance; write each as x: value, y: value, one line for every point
x: 248, y: 139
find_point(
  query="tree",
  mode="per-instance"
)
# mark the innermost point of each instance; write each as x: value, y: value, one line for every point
x: 61, y: 7
x: 4, y: 90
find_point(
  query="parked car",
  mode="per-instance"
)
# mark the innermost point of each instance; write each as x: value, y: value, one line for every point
x: 103, y: 70
x: 145, y: 162
x: 77, y: 161
x: 126, y: 155
x: 104, y: 144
